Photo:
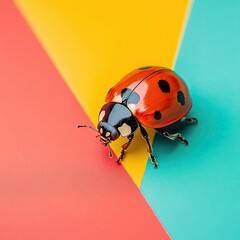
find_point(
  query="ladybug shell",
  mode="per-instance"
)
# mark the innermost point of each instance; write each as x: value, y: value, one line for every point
x: 156, y: 96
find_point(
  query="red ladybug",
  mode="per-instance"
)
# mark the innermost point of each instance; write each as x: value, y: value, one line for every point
x: 151, y: 96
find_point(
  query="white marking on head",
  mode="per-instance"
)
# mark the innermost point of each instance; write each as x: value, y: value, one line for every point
x: 107, y: 134
x: 125, y: 130
x: 101, y: 130
x: 101, y: 116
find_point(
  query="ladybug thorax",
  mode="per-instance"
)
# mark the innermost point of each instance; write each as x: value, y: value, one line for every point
x: 115, y: 119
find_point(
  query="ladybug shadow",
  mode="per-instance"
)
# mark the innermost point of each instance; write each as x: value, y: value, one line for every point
x: 163, y: 145
x: 177, y: 127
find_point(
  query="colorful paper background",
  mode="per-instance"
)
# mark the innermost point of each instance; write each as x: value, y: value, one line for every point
x: 58, y: 60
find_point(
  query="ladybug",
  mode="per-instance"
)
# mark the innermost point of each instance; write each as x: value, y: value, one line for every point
x: 151, y: 96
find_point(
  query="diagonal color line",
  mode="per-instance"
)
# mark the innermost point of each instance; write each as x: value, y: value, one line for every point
x: 184, y: 26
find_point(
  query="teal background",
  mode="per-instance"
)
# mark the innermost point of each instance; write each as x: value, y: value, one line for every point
x: 195, y: 192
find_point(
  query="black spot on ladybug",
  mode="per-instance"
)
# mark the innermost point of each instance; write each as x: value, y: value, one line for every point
x: 157, y: 115
x: 164, y: 86
x: 143, y: 68
x: 181, y: 97
x: 129, y: 96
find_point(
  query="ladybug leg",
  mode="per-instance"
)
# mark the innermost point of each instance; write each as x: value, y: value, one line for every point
x: 146, y: 138
x: 125, y: 146
x: 173, y: 136
x: 189, y: 120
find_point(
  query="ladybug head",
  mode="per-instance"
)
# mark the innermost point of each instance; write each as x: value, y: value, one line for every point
x: 115, y: 120
x: 107, y: 132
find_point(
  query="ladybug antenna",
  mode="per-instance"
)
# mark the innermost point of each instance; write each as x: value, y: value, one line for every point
x: 87, y: 126
x: 81, y: 126
x: 110, y: 151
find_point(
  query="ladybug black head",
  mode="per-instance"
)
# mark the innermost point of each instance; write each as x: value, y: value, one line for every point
x: 107, y: 132
x: 115, y: 119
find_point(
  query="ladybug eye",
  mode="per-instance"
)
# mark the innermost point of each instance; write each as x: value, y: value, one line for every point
x: 114, y: 135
